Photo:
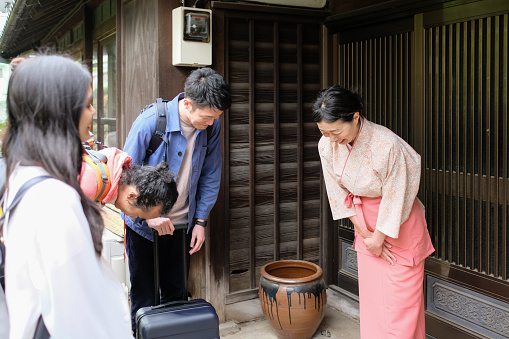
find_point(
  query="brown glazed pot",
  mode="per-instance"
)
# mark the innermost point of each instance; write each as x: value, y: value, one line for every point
x: 293, y: 297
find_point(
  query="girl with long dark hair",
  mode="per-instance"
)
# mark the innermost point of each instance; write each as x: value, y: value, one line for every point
x: 53, y: 263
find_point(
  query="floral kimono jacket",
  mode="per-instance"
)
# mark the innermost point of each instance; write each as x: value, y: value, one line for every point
x: 379, y: 165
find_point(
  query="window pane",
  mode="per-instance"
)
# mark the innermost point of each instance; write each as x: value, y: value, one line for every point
x: 109, y: 90
x: 94, y: 86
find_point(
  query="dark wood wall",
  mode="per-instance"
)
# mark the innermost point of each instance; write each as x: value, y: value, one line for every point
x: 140, y: 69
x: 146, y: 66
x: 271, y: 193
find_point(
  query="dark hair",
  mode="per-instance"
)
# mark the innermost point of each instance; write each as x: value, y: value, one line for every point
x: 205, y: 88
x: 335, y: 103
x: 155, y: 186
x: 45, y: 100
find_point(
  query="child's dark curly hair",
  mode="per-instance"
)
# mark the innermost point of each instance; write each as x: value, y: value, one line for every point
x: 155, y: 186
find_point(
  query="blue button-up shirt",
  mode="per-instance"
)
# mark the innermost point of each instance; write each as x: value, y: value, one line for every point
x: 205, y: 167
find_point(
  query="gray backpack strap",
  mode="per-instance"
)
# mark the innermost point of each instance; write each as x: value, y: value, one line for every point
x: 19, y: 195
x: 93, y: 155
x: 98, y: 155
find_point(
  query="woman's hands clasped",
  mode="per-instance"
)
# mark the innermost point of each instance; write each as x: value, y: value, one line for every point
x: 375, y: 243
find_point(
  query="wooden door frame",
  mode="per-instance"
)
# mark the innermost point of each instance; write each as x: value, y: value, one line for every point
x: 219, y: 255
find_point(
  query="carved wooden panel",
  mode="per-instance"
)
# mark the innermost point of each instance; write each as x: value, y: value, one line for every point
x: 468, y: 308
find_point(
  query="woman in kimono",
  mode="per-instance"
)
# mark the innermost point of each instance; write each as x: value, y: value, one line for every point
x: 372, y: 177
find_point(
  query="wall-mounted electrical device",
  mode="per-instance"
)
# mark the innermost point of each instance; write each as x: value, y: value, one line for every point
x: 192, y: 37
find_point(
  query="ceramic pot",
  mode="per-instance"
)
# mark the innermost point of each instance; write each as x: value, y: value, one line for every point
x: 293, y: 297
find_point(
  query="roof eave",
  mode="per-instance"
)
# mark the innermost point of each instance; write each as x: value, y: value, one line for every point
x: 12, y: 20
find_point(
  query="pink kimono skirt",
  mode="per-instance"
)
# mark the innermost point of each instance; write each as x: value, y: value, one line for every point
x: 391, y: 297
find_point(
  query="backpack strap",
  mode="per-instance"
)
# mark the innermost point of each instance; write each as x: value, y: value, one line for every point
x: 98, y: 155
x: 159, y: 134
x: 41, y: 331
x: 102, y: 173
x: 21, y: 192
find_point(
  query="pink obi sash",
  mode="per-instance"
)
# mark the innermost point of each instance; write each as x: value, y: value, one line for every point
x: 413, y: 243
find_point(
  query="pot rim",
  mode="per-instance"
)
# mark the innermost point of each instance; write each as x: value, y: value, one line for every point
x: 291, y: 263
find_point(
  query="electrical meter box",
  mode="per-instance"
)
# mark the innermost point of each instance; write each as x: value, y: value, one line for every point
x: 192, y: 38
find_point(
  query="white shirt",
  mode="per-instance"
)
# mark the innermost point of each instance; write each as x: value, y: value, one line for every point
x: 51, y: 267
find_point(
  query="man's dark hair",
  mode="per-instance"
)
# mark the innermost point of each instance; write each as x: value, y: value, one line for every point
x: 205, y: 88
x: 155, y: 186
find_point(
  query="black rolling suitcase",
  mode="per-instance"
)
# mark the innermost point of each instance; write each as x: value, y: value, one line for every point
x: 186, y: 319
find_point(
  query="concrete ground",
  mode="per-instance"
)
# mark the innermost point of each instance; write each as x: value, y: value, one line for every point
x: 245, y: 320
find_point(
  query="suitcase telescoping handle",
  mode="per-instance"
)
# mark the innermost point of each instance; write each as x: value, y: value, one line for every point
x: 157, y: 298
